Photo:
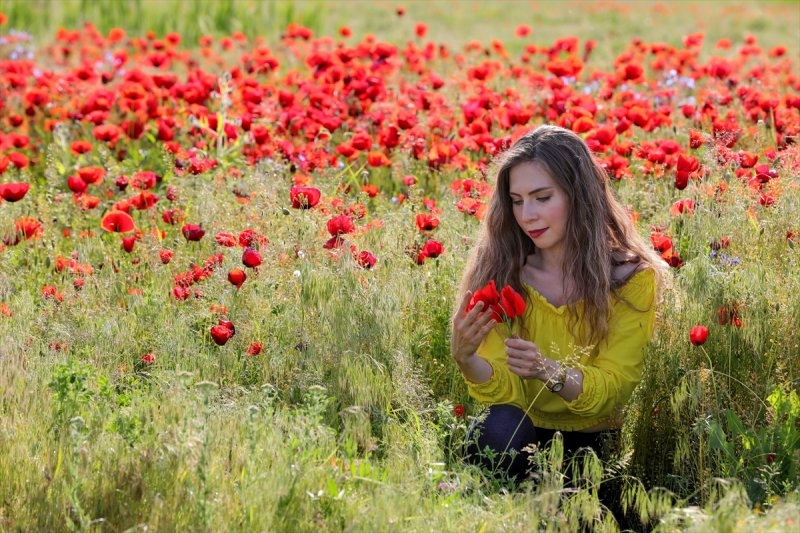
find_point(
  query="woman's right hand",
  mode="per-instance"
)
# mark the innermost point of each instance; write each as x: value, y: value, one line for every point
x: 469, y: 329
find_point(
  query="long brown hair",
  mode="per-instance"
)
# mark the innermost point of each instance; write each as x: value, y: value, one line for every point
x: 599, y: 232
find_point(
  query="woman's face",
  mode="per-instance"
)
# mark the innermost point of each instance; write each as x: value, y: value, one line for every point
x: 540, y: 205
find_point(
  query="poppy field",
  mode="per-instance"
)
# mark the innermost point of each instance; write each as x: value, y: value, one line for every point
x: 230, y: 251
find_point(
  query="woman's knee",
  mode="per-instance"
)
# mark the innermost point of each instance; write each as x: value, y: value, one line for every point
x: 498, y: 438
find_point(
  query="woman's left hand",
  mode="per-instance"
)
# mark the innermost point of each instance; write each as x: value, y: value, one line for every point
x: 525, y: 359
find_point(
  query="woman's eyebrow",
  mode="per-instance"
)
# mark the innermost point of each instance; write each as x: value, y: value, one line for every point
x: 534, y: 191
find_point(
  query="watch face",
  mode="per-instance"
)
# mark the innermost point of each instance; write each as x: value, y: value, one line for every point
x: 555, y: 387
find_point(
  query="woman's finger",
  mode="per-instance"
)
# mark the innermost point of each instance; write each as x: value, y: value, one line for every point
x: 462, y: 307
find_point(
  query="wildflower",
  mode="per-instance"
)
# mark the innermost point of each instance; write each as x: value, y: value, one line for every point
x: 426, y: 222
x: 366, y: 259
x: 165, y: 255
x: 698, y: 335
x: 13, y: 192
x: 118, y: 222
x: 237, y: 277
x: 221, y: 333
x: 254, y: 348
x: 304, y: 197
x: 50, y: 292
x: 225, y: 239
x: 193, y: 232
x: 251, y: 258
x: 148, y: 358
x: 340, y: 225
x: 458, y: 410
x: 128, y: 243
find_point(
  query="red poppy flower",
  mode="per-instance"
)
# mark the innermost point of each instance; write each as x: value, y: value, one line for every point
x: 148, y: 358
x: 458, y: 410
x: 165, y: 255
x: 225, y: 239
x: 14, y: 192
x: 333, y: 242
x: 50, y: 292
x: 221, y: 334
x: 698, y: 335
x: 431, y: 249
x: 76, y: 185
x: 27, y: 228
x: 144, y: 200
x: 106, y: 132
x: 254, y: 348
x: 488, y: 295
x: 251, y: 258
x: 91, y: 175
x: 512, y: 303
x: 180, y: 292
x: 193, y: 232
x: 145, y: 179
x: 237, y: 277
x: 228, y: 324
x: 304, y: 197
x: 340, y: 225
x: 365, y: 259
x: 682, y: 206
x: 427, y: 222
x: 81, y: 147
x: 378, y: 159
x: 118, y: 222
x: 18, y: 159
x: 173, y: 216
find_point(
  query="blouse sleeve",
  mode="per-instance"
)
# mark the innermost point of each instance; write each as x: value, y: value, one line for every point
x: 504, y: 386
x: 610, y: 377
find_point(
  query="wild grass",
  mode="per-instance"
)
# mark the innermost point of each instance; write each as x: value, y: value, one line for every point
x: 345, y: 421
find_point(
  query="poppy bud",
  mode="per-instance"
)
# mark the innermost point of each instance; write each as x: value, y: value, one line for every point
x: 127, y: 243
x: 237, y: 277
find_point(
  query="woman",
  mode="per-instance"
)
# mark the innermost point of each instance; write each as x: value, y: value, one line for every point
x: 556, y: 234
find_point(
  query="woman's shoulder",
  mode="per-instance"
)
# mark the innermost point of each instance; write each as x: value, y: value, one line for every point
x: 639, y: 287
x: 625, y: 266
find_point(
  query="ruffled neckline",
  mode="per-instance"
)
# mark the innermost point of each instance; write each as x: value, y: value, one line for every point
x: 561, y: 309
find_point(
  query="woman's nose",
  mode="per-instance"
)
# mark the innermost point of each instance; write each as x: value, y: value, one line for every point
x: 529, y: 211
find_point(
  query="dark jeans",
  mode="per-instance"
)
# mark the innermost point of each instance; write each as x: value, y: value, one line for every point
x: 505, y: 430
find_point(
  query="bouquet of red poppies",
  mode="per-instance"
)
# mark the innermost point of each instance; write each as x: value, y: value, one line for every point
x: 505, y: 305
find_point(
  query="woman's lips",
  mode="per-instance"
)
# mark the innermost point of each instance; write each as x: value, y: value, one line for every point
x: 537, y: 233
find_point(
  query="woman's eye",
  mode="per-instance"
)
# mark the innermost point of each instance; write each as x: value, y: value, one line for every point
x: 543, y: 198
x: 516, y: 202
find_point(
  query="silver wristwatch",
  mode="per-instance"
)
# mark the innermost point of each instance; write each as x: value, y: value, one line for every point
x: 556, y: 383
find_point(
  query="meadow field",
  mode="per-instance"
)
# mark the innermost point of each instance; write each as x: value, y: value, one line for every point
x: 231, y: 234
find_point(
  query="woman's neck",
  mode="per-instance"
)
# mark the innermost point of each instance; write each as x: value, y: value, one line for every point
x: 551, y: 261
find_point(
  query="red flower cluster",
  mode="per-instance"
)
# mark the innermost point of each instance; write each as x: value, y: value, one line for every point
x: 663, y: 244
x: 505, y: 305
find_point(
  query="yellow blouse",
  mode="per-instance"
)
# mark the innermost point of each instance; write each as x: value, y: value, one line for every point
x: 611, y: 369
